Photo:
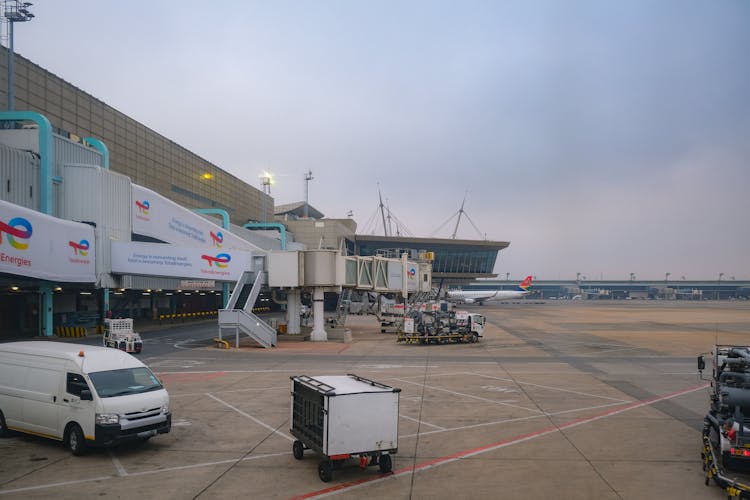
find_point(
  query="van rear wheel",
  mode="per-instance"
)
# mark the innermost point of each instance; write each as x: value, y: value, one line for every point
x: 76, y: 441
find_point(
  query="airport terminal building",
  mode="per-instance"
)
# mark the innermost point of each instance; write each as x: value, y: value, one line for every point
x: 95, y: 190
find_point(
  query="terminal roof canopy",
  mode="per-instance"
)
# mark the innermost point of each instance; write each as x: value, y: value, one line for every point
x: 297, y: 211
x: 456, y: 261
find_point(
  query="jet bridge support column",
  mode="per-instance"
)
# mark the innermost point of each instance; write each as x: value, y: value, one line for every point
x: 318, y: 333
x: 293, y: 301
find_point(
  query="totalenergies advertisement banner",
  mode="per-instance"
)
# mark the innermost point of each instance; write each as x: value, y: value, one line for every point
x: 161, y: 218
x: 177, y: 261
x: 37, y: 245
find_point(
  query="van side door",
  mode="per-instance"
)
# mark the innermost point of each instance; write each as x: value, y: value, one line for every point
x: 40, y: 410
x: 78, y: 410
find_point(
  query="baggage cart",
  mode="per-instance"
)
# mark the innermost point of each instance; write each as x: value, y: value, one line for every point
x: 119, y: 334
x: 343, y: 417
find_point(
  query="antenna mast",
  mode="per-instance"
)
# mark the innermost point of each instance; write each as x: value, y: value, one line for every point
x: 308, y: 178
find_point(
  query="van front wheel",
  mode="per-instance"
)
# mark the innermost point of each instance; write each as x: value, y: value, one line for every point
x: 76, y: 441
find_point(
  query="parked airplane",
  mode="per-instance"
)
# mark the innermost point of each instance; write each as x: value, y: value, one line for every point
x: 482, y: 296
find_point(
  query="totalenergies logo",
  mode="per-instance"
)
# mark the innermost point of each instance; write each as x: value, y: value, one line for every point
x: 217, y: 238
x: 221, y: 260
x: 143, y: 206
x: 17, y: 229
x: 81, y: 248
x: 412, y: 272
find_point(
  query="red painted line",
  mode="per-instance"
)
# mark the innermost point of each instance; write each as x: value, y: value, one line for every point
x: 343, y: 349
x: 494, y: 446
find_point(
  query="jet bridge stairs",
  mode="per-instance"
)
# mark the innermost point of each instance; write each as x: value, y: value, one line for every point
x: 238, y: 315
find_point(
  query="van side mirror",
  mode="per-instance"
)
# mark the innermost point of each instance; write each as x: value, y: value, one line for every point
x: 86, y: 395
x: 701, y: 363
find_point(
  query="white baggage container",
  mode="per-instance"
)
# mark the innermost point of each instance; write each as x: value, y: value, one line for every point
x: 342, y: 417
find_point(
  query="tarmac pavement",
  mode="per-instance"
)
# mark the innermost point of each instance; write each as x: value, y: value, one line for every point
x: 570, y: 400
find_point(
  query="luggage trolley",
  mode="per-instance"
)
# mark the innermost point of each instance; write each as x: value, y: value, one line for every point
x: 342, y: 417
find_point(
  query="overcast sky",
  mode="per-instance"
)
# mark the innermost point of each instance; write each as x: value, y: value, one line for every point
x: 600, y: 137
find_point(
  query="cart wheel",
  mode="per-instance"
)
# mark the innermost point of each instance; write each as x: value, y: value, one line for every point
x: 298, y: 450
x: 474, y: 338
x: 386, y: 465
x: 325, y: 471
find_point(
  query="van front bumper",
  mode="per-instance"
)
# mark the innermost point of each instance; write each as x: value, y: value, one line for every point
x: 112, y: 434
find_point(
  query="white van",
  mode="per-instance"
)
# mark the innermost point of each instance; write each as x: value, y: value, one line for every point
x: 79, y: 394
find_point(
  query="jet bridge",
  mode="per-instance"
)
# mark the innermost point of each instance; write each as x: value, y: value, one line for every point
x: 328, y: 271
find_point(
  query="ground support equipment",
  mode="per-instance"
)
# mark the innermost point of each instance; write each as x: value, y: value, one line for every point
x: 344, y: 417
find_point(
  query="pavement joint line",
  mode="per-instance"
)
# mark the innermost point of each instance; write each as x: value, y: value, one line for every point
x: 349, y: 486
x: 469, y: 396
x: 121, y: 471
x: 259, y: 422
x: 552, y: 388
x: 422, y: 422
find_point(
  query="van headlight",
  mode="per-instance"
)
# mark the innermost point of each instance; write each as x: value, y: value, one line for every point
x: 107, y: 418
x: 165, y: 409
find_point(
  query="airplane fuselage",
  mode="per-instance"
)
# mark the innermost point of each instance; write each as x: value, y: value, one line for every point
x: 481, y: 296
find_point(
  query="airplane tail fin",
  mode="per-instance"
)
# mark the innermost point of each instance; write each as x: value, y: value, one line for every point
x: 525, y: 284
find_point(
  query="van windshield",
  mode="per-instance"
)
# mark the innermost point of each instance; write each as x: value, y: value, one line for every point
x: 114, y: 383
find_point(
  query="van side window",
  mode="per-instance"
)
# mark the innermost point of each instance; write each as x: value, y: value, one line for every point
x: 76, y: 383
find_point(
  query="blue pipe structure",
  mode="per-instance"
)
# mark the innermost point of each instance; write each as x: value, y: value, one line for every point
x: 46, y: 173
x: 101, y: 147
x: 46, y: 153
x: 269, y: 225
x: 215, y: 211
x: 225, y: 224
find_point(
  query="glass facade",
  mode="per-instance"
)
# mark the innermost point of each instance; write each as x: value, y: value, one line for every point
x: 451, y: 257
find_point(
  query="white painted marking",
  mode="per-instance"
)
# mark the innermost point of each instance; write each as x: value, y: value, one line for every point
x: 143, y: 473
x: 55, y: 485
x: 388, y: 367
x: 181, y: 423
x: 511, y: 420
x: 470, y: 396
x: 228, y: 391
x: 118, y: 465
x: 559, y: 389
x: 522, y: 439
x: 177, y: 363
x: 250, y: 417
x: 493, y: 388
x: 421, y: 422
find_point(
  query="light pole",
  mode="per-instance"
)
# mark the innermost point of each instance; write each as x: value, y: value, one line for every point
x: 718, y: 285
x: 15, y: 12
x: 266, y: 181
x: 308, y: 178
x: 632, y: 277
x: 666, y: 277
